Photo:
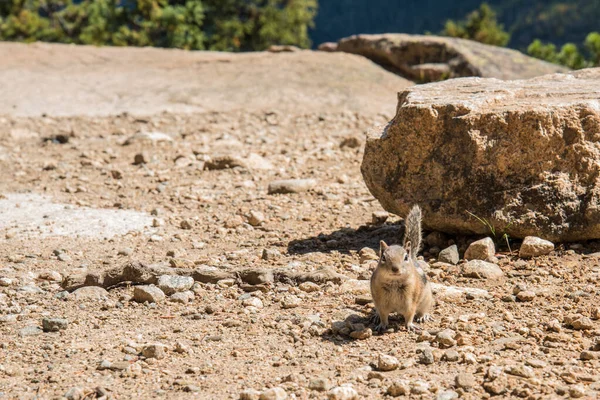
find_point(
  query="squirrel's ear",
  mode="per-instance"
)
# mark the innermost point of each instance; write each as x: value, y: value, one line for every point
x: 382, y: 247
x: 407, y: 246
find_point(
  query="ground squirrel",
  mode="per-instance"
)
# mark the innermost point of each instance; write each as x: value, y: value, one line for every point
x: 398, y: 283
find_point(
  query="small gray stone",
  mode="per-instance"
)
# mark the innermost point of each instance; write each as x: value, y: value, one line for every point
x: 154, y: 350
x: 534, y: 246
x: 465, y: 381
x: 125, y: 251
x: 481, y: 270
x: 253, y: 302
x: 319, y: 384
x: 75, y: 393
x: 148, y: 293
x: 426, y: 357
x: 520, y: 370
x: 291, y: 186
x: 483, y: 249
x: 526, y: 295
x: 419, y: 387
x: 175, y: 283
x: 576, y: 391
x: 54, y: 324
x: 399, y: 388
x: 379, y: 217
x: 63, y: 257
x: 449, y: 255
x: 446, y: 338
x: 104, y: 365
x: 89, y: 293
x: 446, y: 395
x: 255, y: 218
x: 276, y: 393
x: 342, y: 393
x: 250, y: 394
x: 64, y: 295
x: 387, y: 363
x: 182, y: 297
x: 451, y: 356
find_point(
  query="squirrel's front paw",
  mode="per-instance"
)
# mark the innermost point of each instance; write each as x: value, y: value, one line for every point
x: 425, y: 318
x: 374, y: 319
x: 381, y: 328
x: 413, y: 328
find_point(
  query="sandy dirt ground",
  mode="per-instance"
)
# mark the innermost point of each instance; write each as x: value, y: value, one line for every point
x: 116, y: 156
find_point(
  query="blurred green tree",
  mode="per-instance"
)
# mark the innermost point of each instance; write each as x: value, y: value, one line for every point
x: 480, y: 25
x: 228, y: 25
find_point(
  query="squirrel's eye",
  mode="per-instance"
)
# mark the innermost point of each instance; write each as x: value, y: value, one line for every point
x: 406, y: 257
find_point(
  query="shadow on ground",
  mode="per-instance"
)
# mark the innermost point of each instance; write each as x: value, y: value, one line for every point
x: 348, y: 239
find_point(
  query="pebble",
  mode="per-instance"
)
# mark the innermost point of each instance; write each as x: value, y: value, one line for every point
x: 125, y: 251
x: 535, y: 363
x: 6, y: 282
x: 449, y: 255
x: 155, y: 350
x: 419, y: 387
x: 75, y: 393
x: 387, y: 363
x: 148, y: 293
x: 141, y: 158
x: 342, y: 393
x: 451, y: 356
x: 483, y: 249
x: 54, y: 324
x: 319, y: 384
x: 426, y: 357
x: 361, y: 334
x: 170, y: 284
x: 464, y: 381
x: 51, y: 276
x: 379, y: 217
x: 309, y: 287
x: 89, y: 293
x: 526, y: 295
x: 534, y: 246
x: 398, y: 388
x: 446, y: 338
x: 185, y: 224
x: 481, y: 270
x: 256, y: 218
x: 63, y: 257
x: 182, y: 297
x: 253, y: 302
x: 290, y: 301
x: 276, y: 393
x: 520, y: 370
x: 270, y: 254
x: 579, y: 322
x: 576, y: 391
x: 291, y: 186
x: 447, y: 395
x: 250, y: 394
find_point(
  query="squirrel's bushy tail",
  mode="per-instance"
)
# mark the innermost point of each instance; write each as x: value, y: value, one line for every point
x: 412, y: 232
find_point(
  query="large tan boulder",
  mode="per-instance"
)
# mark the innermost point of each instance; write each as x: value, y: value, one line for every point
x: 522, y: 155
x: 432, y: 58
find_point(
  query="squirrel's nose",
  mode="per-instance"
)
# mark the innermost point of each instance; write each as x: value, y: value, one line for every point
x: 395, y: 270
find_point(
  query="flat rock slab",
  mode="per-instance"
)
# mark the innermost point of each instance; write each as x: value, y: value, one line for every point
x: 145, y: 81
x: 433, y: 58
x: 35, y: 216
x: 521, y: 155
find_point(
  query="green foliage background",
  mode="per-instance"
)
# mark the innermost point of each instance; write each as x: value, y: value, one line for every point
x: 225, y: 25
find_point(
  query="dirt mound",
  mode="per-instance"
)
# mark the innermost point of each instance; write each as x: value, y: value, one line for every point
x: 521, y: 154
x: 432, y: 58
x: 66, y: 80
